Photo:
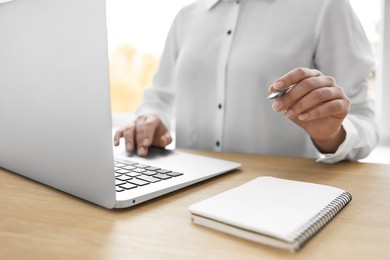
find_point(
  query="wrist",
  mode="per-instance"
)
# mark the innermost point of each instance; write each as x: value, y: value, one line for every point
x: 330, y: 145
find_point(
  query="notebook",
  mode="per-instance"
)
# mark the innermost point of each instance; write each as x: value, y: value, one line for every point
x: 55, y: 109
x: 276, y: 212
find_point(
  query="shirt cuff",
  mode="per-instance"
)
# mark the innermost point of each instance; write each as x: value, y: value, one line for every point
x: 343, y: 152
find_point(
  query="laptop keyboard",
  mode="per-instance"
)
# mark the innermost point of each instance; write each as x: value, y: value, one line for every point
x: 131, y: 175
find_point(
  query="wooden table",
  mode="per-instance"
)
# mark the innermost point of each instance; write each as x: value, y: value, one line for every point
x: 38, y: 222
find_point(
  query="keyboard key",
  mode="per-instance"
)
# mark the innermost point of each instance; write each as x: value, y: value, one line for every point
x: 162, y: 176
x: 163, y: 171
x: 141, y: 165
x: 133, y: 174
x: 124, y: 178
x: 119, y: 189
x: 122, y: 164
x: 122, y: 171
x: 128, y: 186
x: 148, y: 178
x: 174, y: 174
x: 149, y: 173
x: 131, y: 163
x: 138, y: 182
x: 138, y: 170
x: 119, y: 182
x: 150, y: 168
x: 117, y: 164
x: 128, y: 167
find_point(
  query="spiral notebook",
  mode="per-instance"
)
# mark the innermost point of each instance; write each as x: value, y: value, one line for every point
x: 277, y: 212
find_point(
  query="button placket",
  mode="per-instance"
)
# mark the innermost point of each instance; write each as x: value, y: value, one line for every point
x: 221, y: 74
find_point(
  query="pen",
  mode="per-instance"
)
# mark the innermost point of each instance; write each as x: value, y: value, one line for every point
x: 278, y: 93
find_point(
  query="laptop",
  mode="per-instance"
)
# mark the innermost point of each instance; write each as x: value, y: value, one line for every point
x: 55, y: 113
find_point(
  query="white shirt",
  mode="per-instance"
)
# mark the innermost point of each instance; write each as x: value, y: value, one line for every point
x: 220, y: 58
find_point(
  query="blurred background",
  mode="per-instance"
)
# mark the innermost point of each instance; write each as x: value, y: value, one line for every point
x: 137, y: 31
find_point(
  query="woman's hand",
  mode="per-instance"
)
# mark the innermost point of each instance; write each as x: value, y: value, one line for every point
x: 143, y: 132
x: 316, y: 103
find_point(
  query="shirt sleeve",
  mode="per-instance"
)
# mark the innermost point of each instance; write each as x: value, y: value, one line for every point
x: 343, y: 51
x: 159, y: 98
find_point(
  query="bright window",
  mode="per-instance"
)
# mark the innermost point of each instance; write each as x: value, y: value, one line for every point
x: 136, y: 36
x: 369, y: 13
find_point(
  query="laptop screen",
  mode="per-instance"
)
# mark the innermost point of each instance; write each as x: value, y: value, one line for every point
x: 54, y: 95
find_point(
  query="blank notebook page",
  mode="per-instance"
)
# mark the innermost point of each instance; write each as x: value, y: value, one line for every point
x: 268, y: 205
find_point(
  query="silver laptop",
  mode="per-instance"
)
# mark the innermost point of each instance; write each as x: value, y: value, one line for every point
x: 55, y: 118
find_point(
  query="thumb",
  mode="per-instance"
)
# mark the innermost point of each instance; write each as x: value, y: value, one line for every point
x: 164, y: 140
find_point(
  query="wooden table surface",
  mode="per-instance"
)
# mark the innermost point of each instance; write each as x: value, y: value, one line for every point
x: 38, y: 222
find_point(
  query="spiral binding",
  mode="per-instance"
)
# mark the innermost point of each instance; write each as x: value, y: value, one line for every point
x: 315, y: 224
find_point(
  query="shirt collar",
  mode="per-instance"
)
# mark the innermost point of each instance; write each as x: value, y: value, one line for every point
x: 211, y: 3
x: 208, y: 4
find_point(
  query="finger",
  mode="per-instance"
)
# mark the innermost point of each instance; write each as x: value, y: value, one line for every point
x: 128, y: 135
x: 317, y: 97
x: 165, y: 139
x: 302, y: 89
x: 293, y: 77
x: 140, y: 134
x: 118, y: 135
x: 145, y: 129
x: 338, y: 108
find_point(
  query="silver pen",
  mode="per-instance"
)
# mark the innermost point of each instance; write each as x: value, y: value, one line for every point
x: 278, y: 93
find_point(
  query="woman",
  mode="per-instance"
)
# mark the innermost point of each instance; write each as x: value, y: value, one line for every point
x: 223, y: 58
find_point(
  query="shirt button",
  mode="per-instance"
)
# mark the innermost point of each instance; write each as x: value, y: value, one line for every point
x: 229, y: 32
x: 219, y: 106
x: 217, y: 143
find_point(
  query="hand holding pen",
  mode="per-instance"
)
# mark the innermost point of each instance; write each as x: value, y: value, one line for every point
x: 278, y: 93
x: 314, y: 102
